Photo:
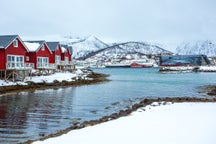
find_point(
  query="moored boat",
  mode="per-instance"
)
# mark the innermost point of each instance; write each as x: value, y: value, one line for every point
x: 118, y: 65
x: 141, y: 64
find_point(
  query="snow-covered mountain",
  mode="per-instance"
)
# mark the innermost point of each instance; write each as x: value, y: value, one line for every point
x: 85, y: 46
x: 91, y: 46
x: 128, y: 50
x: 197, y: 47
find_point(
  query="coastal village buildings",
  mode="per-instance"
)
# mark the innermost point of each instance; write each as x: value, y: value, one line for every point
x: 18, y: 58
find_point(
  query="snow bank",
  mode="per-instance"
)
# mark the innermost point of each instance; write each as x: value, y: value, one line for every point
x: 9, y: 83
x: 192, y: 123
x: 59, y: 76
x: 50, y: 78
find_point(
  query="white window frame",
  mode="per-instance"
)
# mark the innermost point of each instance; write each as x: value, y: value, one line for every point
x: 66, y: 60
x: 15, y: 43
x: 27, y: 58
x: 43, y: 63
x: 18, y: 61
x: 57, y: 59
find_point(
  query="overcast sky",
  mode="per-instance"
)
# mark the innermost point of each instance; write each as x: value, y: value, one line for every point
x: 163, y: 21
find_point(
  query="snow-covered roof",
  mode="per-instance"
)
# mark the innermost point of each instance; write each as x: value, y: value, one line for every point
x: 32, y: 46
x: 63, y: 49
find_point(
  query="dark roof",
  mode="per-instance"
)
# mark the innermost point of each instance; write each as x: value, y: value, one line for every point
x: 5, y: 40
x: 52, y: 45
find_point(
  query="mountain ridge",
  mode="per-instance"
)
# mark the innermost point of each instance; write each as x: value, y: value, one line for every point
x: 200, y: 47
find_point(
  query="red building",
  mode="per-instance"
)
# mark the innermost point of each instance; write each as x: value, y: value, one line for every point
x: 12, y: 53
x: 40, y: 55
x: 66, y: 58
x: 66, y: 55
x: 55, y: 47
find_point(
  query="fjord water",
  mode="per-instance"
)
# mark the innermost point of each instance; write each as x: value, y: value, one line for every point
x: 33, y: 114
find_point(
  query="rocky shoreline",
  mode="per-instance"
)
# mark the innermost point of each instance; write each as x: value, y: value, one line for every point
x: 92, y: 78
x: 142, y: 103
x: 210, y: 90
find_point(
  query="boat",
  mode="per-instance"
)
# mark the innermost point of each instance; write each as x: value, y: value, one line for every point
x: 118, y: 65
x: 141, y: 64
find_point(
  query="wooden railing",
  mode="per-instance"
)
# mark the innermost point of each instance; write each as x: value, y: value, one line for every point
x: 66, y: 63
x: 19, y: 65
x: 46, y: 66
x: 29, y: 65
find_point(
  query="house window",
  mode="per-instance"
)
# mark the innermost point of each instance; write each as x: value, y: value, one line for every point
x: 66, y: 60
x: 15, y: 43
x: 27, y: 58
x: 42, y: 62
x: 15, y: 61
x: 42, y: 48
x: 57, y: 59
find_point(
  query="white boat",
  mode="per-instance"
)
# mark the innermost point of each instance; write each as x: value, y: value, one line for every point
x: 122, y: 64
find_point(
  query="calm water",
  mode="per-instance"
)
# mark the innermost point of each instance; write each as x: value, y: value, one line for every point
x: 28, y: 115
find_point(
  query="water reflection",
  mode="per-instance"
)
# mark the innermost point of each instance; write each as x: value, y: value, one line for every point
x: 28, y: 114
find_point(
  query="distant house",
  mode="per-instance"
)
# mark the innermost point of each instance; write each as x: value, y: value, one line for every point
x: 184, y: 60
x: 55, y: 47
x: 66, y: 57
x: 40, y: 55
x: 12, y: 53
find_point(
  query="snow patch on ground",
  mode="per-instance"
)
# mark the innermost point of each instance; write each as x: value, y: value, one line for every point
x: 51, y: 78
x: 58, y: 76
x: 192, y: 123
x: 9, y: 83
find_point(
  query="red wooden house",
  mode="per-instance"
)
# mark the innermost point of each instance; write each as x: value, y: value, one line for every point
x: 13, y: 62
x: 12, y: 53
x: 40, y: 55
x: 66, y: 57
x: 55, y: 47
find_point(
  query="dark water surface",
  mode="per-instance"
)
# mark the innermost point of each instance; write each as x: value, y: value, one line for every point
x: 30, y: 115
